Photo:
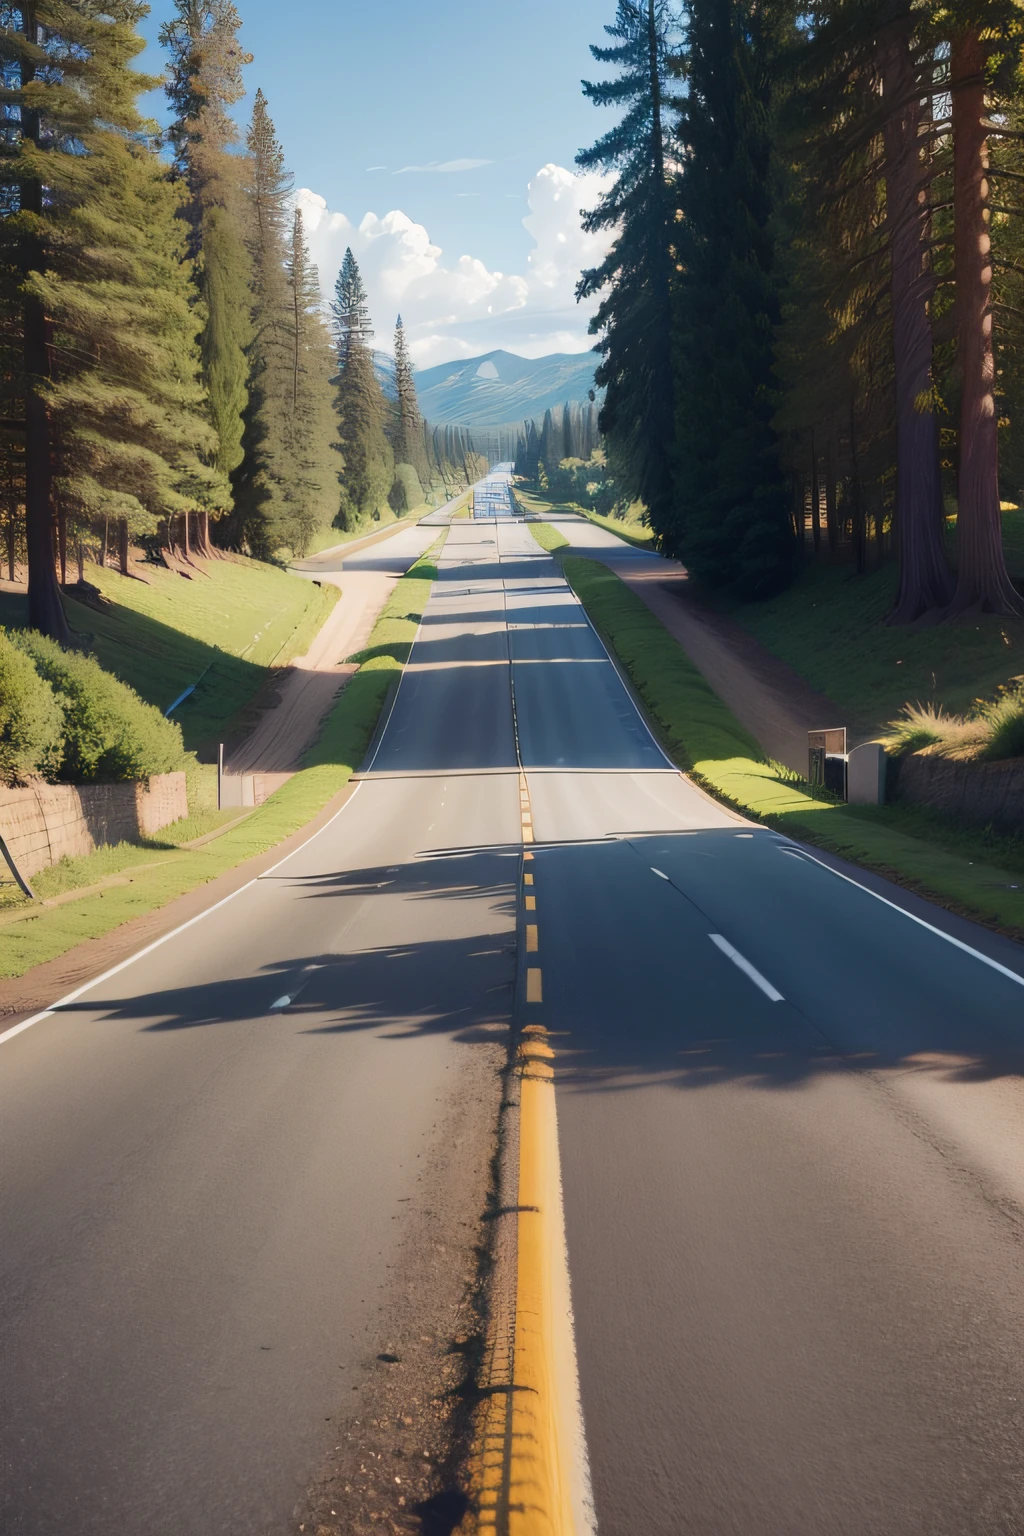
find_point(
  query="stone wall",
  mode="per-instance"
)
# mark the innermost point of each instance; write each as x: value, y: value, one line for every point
x: 44, y: 823
x: 983, y: 793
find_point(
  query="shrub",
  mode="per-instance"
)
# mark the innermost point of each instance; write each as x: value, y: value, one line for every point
x: 110, y: 734
x: 31, y: 718
x: 1005, y: 720
x: 406, y: 491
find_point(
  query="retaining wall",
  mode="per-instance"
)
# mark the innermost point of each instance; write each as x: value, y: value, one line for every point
x: 985, y: 793
x: 44, y: 823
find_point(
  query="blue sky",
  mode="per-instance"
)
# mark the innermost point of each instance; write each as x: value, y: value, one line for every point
x: 405, y: 85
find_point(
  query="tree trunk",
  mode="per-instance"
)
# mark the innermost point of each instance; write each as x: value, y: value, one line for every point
x: 831, y: 519
x: 982, y: 580
x: 186, y: 544
x: 122, y: 544
x: 926, y: 582
x: 12, y: 535
x: 815, y: 507
x: 81, y: 560
x: 62, y: 546
x: 104, y: 544
x: 856, y: 498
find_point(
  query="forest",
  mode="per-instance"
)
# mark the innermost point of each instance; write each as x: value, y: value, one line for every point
x: 170, y: 380
x: 810, y: 315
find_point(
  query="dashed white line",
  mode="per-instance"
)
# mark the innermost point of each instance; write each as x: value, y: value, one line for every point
x: 743, y: 964
x: 659, y: 872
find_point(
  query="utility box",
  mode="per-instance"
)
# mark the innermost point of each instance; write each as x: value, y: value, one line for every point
x: 826, y: 759
x: 865, y: 775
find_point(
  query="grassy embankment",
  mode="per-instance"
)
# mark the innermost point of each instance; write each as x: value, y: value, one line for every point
x: 965, y: 869
x: 628, y: 528
x: 159, y: 872
x: 223, y: 630
x: 829, y: 626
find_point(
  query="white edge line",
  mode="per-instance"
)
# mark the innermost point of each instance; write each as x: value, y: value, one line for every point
x: 968, y: 949
x: 743, y: 964
x: 659, y: 872
x: 71, y: 997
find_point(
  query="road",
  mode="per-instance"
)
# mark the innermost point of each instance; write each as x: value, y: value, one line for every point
x: 790, y: 1121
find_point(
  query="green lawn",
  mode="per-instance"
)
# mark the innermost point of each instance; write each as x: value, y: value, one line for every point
x: 222, y: 631
x: 629, y: 528
x: 548, y: 536
x: 830, y: 627
x: 159, y: 872
x: 970, y: 872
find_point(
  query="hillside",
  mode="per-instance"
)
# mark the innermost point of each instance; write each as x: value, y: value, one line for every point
x: 500, y: 387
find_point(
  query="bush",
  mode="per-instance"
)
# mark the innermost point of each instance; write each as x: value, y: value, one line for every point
x: 406, y: 491
x: 110, y: 735
x: 1005, y: 720
x: 993, y: 732
x: 31, y: 718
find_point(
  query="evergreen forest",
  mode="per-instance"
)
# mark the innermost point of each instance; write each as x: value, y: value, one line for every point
x: 171, y: 381
x: 809, y: 319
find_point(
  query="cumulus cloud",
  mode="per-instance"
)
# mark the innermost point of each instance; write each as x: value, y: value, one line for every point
x: 459, y: 308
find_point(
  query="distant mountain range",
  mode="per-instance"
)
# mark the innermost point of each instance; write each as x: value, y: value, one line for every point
x: 501, y: 388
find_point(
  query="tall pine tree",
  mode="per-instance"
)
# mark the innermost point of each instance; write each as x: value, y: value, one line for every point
x: 205, y: 80
x: 409, y: 447
x: 369, y: 464
x: 311, y: 493
x: 634, y: 317
x: 731, y: 521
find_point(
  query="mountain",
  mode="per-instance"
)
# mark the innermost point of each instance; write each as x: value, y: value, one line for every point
x: 499, y: 388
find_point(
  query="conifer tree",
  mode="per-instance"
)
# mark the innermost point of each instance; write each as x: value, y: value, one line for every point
x: 205, y: 80
x: 350, y: 311
x: 732, y: 524
x: 262, y: 509
x: 634, y: 316
x: 311, y: 493
x: 114, y: 408
x: 368, y: 467
x: 409, y: 434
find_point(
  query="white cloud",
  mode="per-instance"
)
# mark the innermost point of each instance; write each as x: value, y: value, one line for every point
x: 444, y: 165
x: 461, y: 308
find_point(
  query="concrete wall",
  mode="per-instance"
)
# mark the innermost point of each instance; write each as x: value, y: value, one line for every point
x: 984, y: 793
x: 44, y: 823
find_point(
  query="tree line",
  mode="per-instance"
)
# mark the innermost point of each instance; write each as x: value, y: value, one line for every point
x: 810, y: 313
x: 168, y: 372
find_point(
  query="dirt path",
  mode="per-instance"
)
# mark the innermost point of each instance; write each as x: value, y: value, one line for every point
x: 774, y: 703
x: 307, y: 688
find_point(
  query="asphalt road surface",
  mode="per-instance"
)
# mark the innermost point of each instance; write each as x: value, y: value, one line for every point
x: 790, y: 1120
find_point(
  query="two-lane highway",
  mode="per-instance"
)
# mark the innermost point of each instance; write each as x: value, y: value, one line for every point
x: 790, y: 1121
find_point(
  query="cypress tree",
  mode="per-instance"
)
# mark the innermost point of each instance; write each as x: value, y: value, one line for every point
x: 634, y: 317
x: 732, y: 523
x: 369, y: 464
x: 205, y: 80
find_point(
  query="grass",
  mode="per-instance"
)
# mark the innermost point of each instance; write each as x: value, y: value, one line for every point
x: 222, y: 631
x: 969, y: 871
x: 629, y: 528
x: 36, y: 934
x: 548, y: 537
x: 829, y: 626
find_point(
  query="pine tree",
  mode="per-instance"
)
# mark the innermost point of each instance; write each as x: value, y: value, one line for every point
x: 350, y: 312
x: 263, y: 511
x: 409, y: 435
x: 369, y: 462
x: 311, y: 494
x: 634, y: 317
x: 205, y: 80
x: 114, y: 409
x: 732, y: 522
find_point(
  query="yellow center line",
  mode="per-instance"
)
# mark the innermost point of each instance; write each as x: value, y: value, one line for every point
x: 531, y: 938
x: 527, y: 878
x: 534, y: 986
x: 531, y: 903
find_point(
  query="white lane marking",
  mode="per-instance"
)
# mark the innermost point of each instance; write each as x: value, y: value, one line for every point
x: 659, y: 872
x: 743, y: 964
x: 1003, y: 970
x: 282, y: 1002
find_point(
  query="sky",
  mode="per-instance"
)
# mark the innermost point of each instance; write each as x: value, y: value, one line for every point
x: 439, y: 141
